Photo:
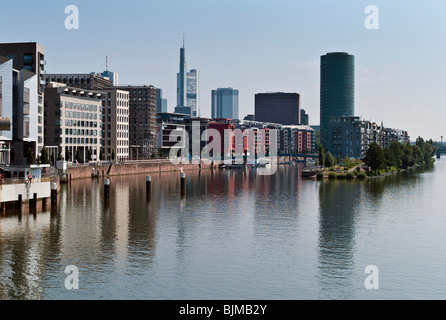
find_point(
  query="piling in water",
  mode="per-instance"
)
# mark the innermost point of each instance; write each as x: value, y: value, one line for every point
x: 183, y: 184
x: 148, y: 184
x: 106, y: 188
x: 53, y: 193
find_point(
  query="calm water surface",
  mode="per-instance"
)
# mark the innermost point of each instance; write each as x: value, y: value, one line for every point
x: 235, y: 235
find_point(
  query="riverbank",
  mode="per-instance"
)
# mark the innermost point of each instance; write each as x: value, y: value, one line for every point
x: 358, y: 173
x: 126, y: 168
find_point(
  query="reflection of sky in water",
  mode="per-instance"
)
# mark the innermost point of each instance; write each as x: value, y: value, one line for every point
x: 235, y: 235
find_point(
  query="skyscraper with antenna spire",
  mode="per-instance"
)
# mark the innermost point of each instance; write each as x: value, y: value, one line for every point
x: 112, y: 76
x: 182, y: 79
x: 187, y: 87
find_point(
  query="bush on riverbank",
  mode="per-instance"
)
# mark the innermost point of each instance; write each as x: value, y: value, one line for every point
x: 361, y: 175
x: 341, y: 176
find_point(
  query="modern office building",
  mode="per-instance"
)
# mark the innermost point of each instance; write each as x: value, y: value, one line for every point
x: 192, y: 92
x: 30, y: 56
x: 337, y: 89
x: 187, y: 88
x: 166, y: 123
x: 142, y: 120
x: 115, y: 124
x: 161, y: 104
x: 73, y: 121
x: 304, y: 118
x: 88, y: 81
x: 182, y: 79
x: 112, y: 76
x: 278, y: 107
x: 224, y: 103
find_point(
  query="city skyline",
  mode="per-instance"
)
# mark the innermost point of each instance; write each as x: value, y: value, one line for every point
x: 397, y: 82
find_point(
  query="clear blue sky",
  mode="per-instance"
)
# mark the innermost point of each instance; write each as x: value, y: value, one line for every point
x: 254, y: 46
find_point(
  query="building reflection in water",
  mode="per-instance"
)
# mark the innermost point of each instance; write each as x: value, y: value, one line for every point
x: 338, y: 201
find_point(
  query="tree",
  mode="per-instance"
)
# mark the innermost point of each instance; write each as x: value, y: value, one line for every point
x: 89, y: 155
x: 330, y: 160
x: 374, y: 157
x: 113, y: 154
x: 78, y: 155
x: 321, y: 155
x: 59, y: 155
x: 44, y: 156
x: 101, y: 155
x: 317, y: 139
x: 397, y: 154
x: 30, y: 156
x: 408, y: 159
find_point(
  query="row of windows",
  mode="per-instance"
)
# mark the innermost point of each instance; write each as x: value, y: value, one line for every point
x: 118, y: 142
x: 119, y: 119
x: 120, y: 135
x: 81, y: 106
x: 81, y: 132
x: 120, y: 103
x: 119, y: 111
x: 78, y: 123
x: 81, y: 140
x: 70, y: 81
x: 81, y: 115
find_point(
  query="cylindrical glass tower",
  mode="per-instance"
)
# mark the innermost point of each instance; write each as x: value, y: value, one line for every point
x: 337, y: 95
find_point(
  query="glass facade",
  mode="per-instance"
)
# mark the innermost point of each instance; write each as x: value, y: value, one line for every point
x: 225, y: 103
x: 337, y: 90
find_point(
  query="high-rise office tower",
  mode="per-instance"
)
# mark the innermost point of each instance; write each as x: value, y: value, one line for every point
x: 304, y: 118
x: 337, y: 90
x: 278, y: 107
x: 192, y: 93
x: 225, y: 103
x: 161, y: 104
x: 187, y: 88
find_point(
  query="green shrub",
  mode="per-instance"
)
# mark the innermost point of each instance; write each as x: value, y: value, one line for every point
x: 361, y: 175
x: 350, y: 176
x: 320, y: 175
x: 332, y: 175
x: 342, y: 176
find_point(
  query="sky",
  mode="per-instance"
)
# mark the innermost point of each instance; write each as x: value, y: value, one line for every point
x: 254, y: 46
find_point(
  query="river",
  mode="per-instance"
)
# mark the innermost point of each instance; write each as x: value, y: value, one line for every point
x: 234, y: 235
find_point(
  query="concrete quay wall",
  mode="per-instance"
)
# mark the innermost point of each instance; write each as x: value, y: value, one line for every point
x: 83, y: 172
